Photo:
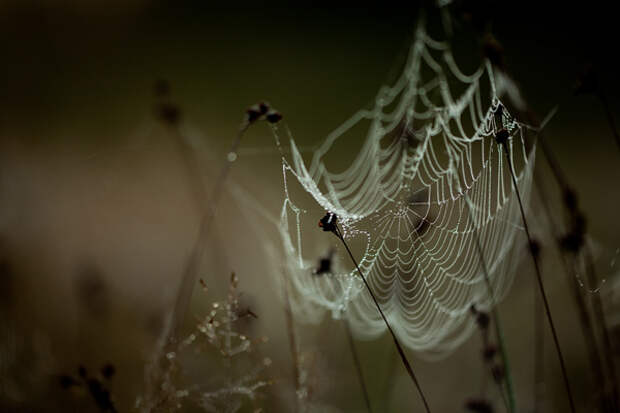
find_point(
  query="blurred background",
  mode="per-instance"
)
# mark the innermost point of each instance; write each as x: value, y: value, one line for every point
x: 98, y: 213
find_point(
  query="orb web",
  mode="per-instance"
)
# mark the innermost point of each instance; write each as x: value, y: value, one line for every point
x: 414, y: 181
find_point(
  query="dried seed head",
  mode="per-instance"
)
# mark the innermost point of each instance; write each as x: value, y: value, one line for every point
x: 483, y: 320
x: 489, y: 352
x: 254, y: 112
x: 325, y: 263
x: 329, y: 222
x: 67, y: 382
x: 169, y: 113
x: 479, y: 406
x: 570, y: 199
x: 274, y: 116
x: 502, y: 136
x: 498, y: 373
x: 108, y: 371
x: 535, y: 248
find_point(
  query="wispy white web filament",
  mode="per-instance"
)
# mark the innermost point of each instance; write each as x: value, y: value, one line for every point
x: 428, y: 178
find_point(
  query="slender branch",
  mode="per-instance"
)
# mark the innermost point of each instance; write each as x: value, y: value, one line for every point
x: 358, y: 364
x: 401, y: 352
x: 541, y: 286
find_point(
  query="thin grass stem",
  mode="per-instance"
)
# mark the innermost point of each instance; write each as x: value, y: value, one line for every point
x: 292, y: 341
x: 509, y: 400
x: 401, y: 352
x: 358, y: 364
x: 541, y: 286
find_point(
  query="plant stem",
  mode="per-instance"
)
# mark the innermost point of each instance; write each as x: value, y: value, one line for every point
x: 596, y: 300
x: 600, y: 315
x: 584, y: 315
x: 192, y: 266
x: 290, y: 329
x: 539, y: 353
x: 401, y: 352
x: 510, y: 401
x: 358, y: 364
x: 541, y: 286
x: 610, y: 118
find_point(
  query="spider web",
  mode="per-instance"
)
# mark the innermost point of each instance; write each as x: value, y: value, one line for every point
x: 427, y: 181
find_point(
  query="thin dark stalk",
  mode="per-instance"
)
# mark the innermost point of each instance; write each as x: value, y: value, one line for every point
x: 584, y: 315
x: 510, y: 400
x: 358, y: 364
x: 388, y: 384
x: 292, y: 341
x: 600, y: 315
x: 610, y: 117
x: 596, y: 300
x: 192, y: 266
x: 541, y: 286
x: 539, y: 353
x: 401, y: 352
x: 489, y: 364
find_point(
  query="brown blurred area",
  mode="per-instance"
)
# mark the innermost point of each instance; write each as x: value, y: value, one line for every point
x: 97, y: 214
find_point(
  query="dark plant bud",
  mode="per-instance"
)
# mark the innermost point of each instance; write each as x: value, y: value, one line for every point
x: 479, y: 406
x: 263, y: 108
x: 325, y: 266
x: 535, y: 248
x: 501, y: 137
x: 329, y: 222
x: 482, y: 319
x: 169, y: 113
x: 580, y: 223
x: 571, y: 242
x: 570, y: 199
x: 575, y: 238
x: 252, y: 114
x: 489, y: 352
x: 67, y: 382
x: 108, y: 371
x: 498, y: 373
x: 101, y: 395
x: 274, y: 116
